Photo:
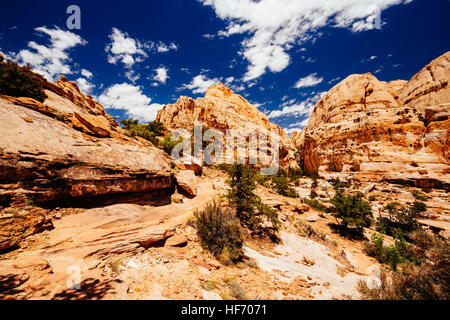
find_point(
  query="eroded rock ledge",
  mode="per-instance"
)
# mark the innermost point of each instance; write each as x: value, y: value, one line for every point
x: 372, y: 130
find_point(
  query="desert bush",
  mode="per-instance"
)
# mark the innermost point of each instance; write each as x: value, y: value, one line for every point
x: 420, y: 196
x: 149, y: 131
x: 249, y: 208
x: 167, y: 144
x: 353, y: 211
x: 339, y: 185
x: 399, y: 253
x: 316, y: 204
x: 313, y: 194
x: 220, y: 232
x: 281, y: 185
x: 428, y: 280
x: 400, y: 218
x: 17, y: 81
x: 236, y: 290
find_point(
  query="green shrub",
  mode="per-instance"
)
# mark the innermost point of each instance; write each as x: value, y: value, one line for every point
x: 316, y: 204
x: 281, y: 185
x: 352, y: 210
x: 146, y: 131
x: 338, y: 184
x: 313, y: 194
x: 401, y: 252
x: 17, y: 81
x: 296, y: 174
x: 220, y: 232
x: 400, y: 218
x: 167, y: 144
x: 420, y: 196
x: 427, y: 280
x: 242, y: 197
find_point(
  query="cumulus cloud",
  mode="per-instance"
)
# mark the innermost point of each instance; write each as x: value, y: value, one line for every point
x: 86, y: 73
x: 131, y: 99
x: 270, y: 36
x: 200, y: 84
x: 125, y: 49
x: 53, y: 60
x: 161, y: 75
x: 309, y: 81
x: 130, y: 51
x: 294, y: 109
x: 162, y: 47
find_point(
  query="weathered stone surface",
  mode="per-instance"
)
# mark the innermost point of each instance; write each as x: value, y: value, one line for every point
x: 189, y: 163
x: 371, y: 130
x: 187, y: 181
x: 15, y: 227
x: 222, y: 109
x: 48, y: 158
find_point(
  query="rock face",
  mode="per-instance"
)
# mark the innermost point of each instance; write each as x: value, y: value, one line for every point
x: 68, y: 147
x: 371, y: 130
x: 187, y: 181
x: 222, y: 109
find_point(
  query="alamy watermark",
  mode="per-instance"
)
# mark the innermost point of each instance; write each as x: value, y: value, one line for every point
x: 74, y: 20
x: 257, y: 147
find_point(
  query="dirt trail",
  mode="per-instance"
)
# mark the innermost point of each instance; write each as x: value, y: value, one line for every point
x: 83, y: 242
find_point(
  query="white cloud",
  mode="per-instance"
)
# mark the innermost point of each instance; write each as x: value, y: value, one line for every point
x: 53, y: 60
x: 270, y: 36
x: 308, y: 81
x: 162, y: 47
x: 130, y: 51
x: 161, y: 75
x: 86, y: 73
x: 292, y: 108
x: 334, y: 80
x: 125, y: 49
x: 200, y: 84
x: 131, y: 99
x: 84, y: 85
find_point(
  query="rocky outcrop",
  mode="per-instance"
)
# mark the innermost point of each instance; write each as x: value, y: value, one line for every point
x: 223, y: 110
x: 187, y: 181
x: 368, y: 129
x: 68, y: 147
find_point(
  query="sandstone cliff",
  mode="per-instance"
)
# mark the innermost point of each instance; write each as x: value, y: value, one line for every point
x: 222, y: 109
x: 68, y: 147
x: 368, y: 129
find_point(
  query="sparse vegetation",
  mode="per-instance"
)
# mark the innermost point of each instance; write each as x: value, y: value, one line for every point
x: 149, y: 131
x: 429, y: 279
x: 220, y: 232
x: 353, y: 211
x: 236, y: 289
x: 420, y: 196
x: 209, y: 285
x: 400, y: 218
x: 167, y: 144
x: 316, y: 204
x: 281, y: 185
x: 249, y: 208
x: 394, y: 255
x: 17, y: 81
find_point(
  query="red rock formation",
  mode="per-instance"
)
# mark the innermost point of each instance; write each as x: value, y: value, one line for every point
x: 69, y: 147
x: 222, y: 109
x: 367, y: 129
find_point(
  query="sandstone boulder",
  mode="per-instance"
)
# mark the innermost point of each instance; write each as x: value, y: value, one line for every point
x: 187, y: 180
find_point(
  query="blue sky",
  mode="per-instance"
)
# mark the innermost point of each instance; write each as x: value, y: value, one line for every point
x: 282, y: 55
